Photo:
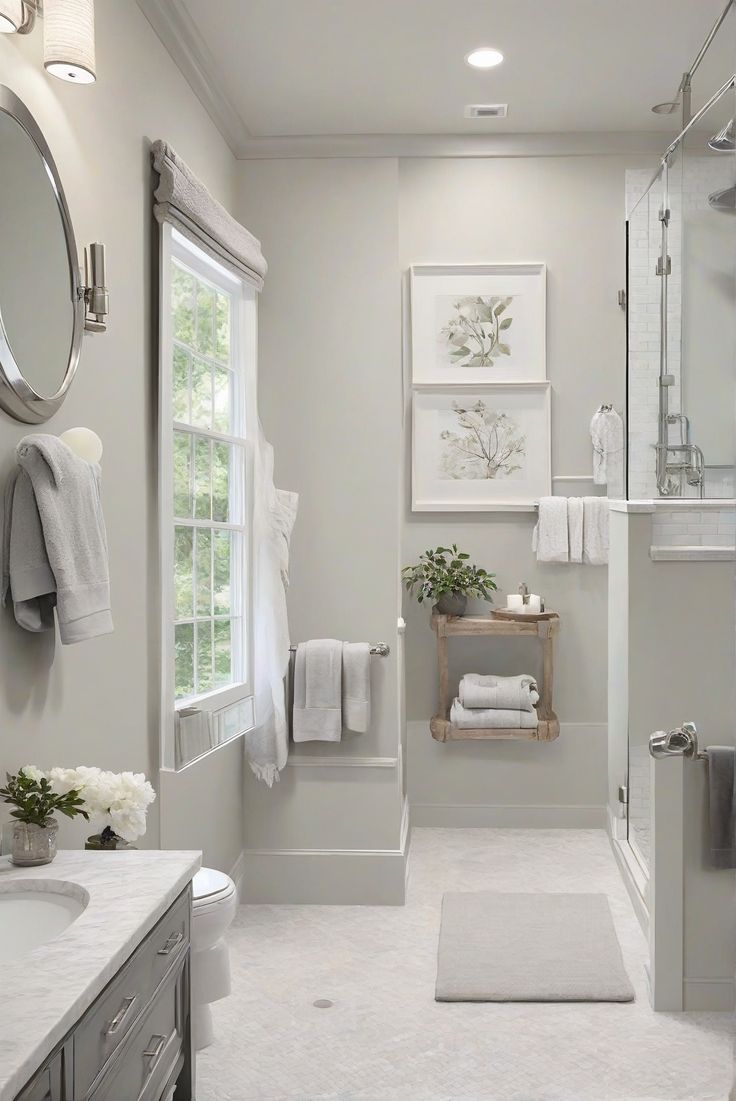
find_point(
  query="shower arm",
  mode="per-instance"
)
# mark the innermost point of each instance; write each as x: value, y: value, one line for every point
x: 684, y: 90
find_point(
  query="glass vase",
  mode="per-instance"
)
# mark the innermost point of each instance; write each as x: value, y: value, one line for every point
x: 34, y: 844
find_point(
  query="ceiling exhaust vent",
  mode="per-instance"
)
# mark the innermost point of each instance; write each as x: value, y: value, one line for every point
x: 486, y: 110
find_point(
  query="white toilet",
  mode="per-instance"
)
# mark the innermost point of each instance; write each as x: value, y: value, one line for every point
x: 213, y: 909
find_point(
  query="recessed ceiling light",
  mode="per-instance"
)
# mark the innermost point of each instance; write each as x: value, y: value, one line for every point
x: 485, y: 57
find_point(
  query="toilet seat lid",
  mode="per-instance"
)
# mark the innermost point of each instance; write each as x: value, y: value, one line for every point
x: 208, y: 883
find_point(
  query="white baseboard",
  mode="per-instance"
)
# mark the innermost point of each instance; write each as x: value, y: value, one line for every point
x: 236, y: 874
x: 521, y: 816
x: 635, y: 880
x: 328, y: 877
x: 708, y: 995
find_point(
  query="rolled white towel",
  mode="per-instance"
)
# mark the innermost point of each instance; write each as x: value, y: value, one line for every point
x: 595, y: 531
x: 491, y: 718
x: 550, y: 539
x: 498, y: 693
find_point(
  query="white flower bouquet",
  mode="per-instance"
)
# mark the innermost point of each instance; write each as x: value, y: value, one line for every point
x: 116, y: 801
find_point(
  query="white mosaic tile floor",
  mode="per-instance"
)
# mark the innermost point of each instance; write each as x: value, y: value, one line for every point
x: 386, y: 1038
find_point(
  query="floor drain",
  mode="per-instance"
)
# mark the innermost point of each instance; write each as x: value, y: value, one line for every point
x: 322, y: 1003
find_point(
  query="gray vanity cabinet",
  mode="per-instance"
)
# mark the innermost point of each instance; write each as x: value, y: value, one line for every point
x: 134, y: 1042
x: 48, y: 1084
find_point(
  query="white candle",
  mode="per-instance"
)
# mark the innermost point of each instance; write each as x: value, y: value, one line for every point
x: 535, y: 603
x: 515, y: 602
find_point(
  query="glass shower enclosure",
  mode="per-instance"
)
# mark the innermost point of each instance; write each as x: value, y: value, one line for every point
x: 681, y: 428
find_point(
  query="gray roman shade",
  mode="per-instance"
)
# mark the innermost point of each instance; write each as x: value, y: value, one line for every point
x: 185, y: 202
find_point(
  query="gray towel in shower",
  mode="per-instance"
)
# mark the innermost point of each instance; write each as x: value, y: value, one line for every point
x: 722, y: 805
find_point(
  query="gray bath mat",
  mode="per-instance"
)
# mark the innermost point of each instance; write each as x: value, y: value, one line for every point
x: 529, y: 948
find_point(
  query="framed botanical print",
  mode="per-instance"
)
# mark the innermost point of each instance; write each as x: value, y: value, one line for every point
x: 478, y: 323
x: 481, y: 449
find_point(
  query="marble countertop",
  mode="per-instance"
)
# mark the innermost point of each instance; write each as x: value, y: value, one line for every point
x: 45, y: 992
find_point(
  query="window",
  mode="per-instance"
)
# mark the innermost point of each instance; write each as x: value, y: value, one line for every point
x: 207, y: 374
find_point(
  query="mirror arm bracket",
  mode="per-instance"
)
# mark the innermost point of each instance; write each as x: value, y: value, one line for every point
x: 32, y: 9
x: 94, y: 290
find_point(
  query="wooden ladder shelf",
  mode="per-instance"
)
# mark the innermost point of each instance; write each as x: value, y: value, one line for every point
x: 447, y: 627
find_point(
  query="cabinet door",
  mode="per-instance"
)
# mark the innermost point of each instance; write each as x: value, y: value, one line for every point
x: 146, y: 1060
x: 46, y: 1086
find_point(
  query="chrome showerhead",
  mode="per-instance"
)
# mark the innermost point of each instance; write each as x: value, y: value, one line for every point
x: 723, y: 201
x: 725, y: 140
x: 667, y: 108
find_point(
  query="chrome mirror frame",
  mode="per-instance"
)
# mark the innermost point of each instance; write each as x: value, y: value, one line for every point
x: 17, y: 396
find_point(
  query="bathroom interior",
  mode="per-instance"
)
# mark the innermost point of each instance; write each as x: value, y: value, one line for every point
x: 367, y: 640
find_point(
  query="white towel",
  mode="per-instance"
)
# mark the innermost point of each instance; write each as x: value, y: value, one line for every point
x: 66, y: 491
x: 498, y: 693
x: 595, y: 531
x: 318, y: 691
x: 356, y: 686
x: 550, y: 539
x: 607, y: 434
x: 490, y: 718
x: 575, y: 528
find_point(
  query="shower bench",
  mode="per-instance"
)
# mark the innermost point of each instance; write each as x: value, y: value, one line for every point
x: 486, y: 626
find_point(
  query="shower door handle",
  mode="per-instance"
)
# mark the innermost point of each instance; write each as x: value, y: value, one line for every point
x: 680, y: 742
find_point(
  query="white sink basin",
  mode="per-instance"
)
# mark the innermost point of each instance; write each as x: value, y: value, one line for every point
x: 33, y: 912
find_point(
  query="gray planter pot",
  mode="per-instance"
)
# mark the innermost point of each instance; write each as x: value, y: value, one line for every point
x: 452, y: 604
x: 32, y: 844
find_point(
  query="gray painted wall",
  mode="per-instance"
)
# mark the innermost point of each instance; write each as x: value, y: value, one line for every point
x: 339, y: 235
x: 330, y: 402
x: 97, y: 703
x: 569, y: 213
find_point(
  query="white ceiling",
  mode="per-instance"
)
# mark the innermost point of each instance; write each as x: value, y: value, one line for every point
x: 295, y: 68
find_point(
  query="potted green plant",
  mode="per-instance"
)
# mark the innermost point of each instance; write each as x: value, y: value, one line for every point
x: 446, y: 576
x: 35, y: 803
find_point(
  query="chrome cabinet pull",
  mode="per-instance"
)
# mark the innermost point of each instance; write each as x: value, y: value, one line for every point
x: 173, y: 942
x: 154, y: 1053
x: 121, y: 1014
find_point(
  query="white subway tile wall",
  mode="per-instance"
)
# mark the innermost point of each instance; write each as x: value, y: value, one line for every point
x: 684, y: 527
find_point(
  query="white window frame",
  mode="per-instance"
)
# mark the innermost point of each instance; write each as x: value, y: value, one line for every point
x: 174, y: 246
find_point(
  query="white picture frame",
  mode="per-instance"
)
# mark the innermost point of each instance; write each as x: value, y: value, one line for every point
x: 481, y: 449
x: 478, y: 323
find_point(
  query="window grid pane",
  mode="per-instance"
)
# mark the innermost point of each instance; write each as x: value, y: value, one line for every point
x: 209, y: 485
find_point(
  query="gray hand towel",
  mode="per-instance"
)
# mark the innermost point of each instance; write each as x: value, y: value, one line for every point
x: 722, y: 805
x: 66, y: 489
x: 27, y: 578
x: 503, y: 693
x: 356, y: 686
x: 318, y: 691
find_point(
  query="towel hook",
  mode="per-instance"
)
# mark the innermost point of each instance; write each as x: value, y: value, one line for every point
x: 83, y: 442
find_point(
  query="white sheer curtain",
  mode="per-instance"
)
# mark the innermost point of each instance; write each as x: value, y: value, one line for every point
x: 275, y: 511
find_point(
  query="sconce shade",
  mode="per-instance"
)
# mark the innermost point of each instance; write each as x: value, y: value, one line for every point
x: 69, y: 40
x: 11, y: 16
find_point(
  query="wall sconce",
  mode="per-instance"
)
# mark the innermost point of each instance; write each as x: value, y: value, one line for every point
x: 96, y: 297
x: 68, y: 34
x: 69, y: 40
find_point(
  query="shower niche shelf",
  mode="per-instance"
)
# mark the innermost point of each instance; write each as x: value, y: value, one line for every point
x: 447, y: 627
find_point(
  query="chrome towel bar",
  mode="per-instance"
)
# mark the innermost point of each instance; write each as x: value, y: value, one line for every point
x: 382, y: 649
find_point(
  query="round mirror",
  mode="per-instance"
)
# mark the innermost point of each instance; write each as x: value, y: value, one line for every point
x: 41, y: 308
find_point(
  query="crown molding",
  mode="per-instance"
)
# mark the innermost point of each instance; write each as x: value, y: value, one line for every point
x: 179, y: 34
x: 594, y: 143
